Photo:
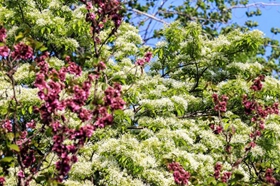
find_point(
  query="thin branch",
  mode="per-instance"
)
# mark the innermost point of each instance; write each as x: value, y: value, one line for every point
x: 190, y: 17
x: 22, y: 16
x: 150, y: 16
x: 254, y: 5
x: 150, y: 22
x: 180, y: 66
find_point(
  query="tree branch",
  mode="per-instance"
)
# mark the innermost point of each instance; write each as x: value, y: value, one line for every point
x: 253, y: 5
x: 150, y: 16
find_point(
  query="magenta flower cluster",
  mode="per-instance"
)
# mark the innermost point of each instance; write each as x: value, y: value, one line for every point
x: 217, y: 173
x: 220, y: 106
x: 3, y: 34
x: 7, y: 125
x: 50, y: 83
x: 2, y: 181
x: 21, y: 52
x: 217, y: 129
x: 257, y: 85
x: 220, y: 103
x: 259, y: 114
x: 106, y: 10
x: 269, y: 178
x: 146, y: 59
x: 4, y: 51
x: 181, y: 176
x: 49, y: 92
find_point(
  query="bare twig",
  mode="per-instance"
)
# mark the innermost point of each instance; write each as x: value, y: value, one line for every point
x: 254, y: 5
x: 150, y: 16
x: 190, y: 17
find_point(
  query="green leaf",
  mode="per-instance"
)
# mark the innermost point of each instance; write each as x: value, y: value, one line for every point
x: 30, y: 109
x: 14, y: 147
x: 23, y: 111
x: 10, y: 136
x: 211, y: 180
x: 7, y: 159
x: 19, y: 36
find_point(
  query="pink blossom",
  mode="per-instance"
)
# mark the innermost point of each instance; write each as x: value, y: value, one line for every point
x: 89, y: 5
x: 21, y: 174
x: 62, y: 74
x: 262, y: 125
x: 56, y: 126
x: 74, y: 159
x: 261, y: 112
x: 8, y: 126
x: 85, y: 115
x: 28, y: 156
x: 73, y: 105
x: 54, y: 88
x: 68, y: 59
x: 79, y: 94
x: 269, y: 176
x: 71, y: 148
x: 74, y: 69
x: 226, y: 176
x: 101, y: 65
x: 44, y: 67
x: 148, y: 57
x: 220, y: 104
x: 22, y: 51
x: 257, y: 86
x: 87, y: 130
x: 112, y: 97
x: 2, y: 180
x: 4, y: 51
x: 180, y: 175
x: 90, y: 16
x: 3, y: 34
x: 40, y: 82
x: 140, y: 62
x: 217, y: 170
x: 31, y: 124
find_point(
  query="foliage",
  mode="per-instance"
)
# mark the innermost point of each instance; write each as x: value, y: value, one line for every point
x: 205, y: 112
x: 215, y: 17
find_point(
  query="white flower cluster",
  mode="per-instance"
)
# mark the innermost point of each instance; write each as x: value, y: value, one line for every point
x: 240, y: 138
x: 24, y: 74
x: 77, y: 183
x: 274, y: 127
x: 210, y: 139
x: 55, y: 62
x: 158, y: 104
x: 82, y: 168
x: 180, y: 101
x: 159, y: 177
x: 162, y: 122
x: 55, y: 4
x: 166, y: 134
x: 253, y: 68
x: 27, y: 96
x: 127, y: 41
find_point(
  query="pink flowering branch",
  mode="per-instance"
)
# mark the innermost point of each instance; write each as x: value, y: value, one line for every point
x: 51, y: 83
x: 181, y: 176
x: 258, y: 113
x: 99, y: 14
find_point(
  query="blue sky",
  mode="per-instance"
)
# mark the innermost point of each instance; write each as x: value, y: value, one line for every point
x: 270, y: 17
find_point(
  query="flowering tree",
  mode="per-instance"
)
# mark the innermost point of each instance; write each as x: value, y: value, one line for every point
x: 79, y: 107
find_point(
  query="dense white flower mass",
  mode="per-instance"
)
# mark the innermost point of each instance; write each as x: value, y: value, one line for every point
x: 163, y: 103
